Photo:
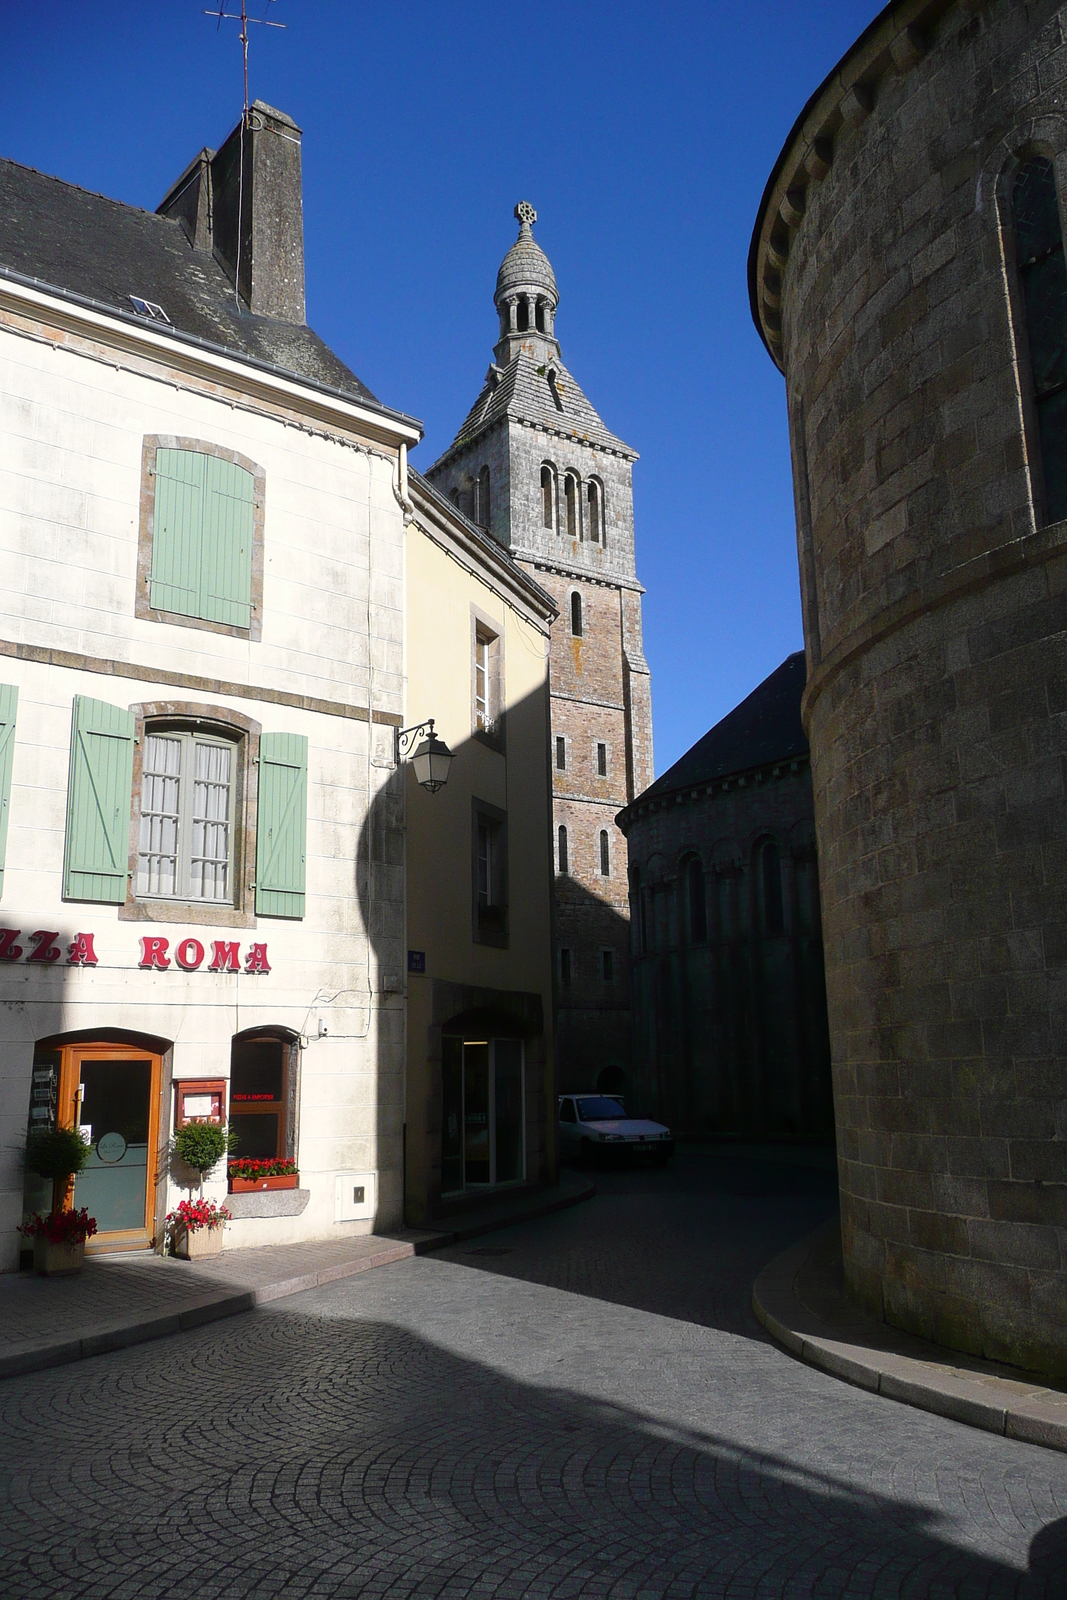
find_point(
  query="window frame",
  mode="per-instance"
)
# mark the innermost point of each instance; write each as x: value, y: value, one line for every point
x: 608, y: 964
x: 244, y: 733
x: 288, y: 1114
x: 561, y: 750
x: 189, y: 739
x: 552, y: 525
x: 563, y: 855
x: 604, y: 853
x: 489, y: 922
x: 598, y: 745
x: 487, y: 631
x: 489, y: 1044
x: 572, y: 502
x: 576, y: 595
x: 143, y: 607
x: 594, y: 506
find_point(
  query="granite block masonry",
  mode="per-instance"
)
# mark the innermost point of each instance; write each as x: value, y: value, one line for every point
x: 907, y: 275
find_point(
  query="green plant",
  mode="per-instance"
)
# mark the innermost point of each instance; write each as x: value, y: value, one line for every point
x: 202, y: 1145
x: 59, y: 1154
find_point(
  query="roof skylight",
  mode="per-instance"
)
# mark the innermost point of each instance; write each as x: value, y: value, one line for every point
x: 148, y: 308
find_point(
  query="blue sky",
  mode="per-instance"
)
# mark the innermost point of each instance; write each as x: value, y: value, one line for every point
x: 642, y: 133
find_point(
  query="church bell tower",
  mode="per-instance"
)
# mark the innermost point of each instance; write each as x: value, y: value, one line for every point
x: 535, y: 466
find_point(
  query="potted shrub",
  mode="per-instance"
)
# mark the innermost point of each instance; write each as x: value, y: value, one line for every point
x: 202, y: 1145
x: 59, y: 1240
x: 58, y: 1244
x: 250, y: 1176
x: 196, y: 1228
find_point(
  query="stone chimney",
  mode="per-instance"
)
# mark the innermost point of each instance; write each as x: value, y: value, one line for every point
x: 251, y: 220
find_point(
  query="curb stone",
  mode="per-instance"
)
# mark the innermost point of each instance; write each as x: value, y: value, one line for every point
x: 900, y: 1366
x: 228, y: 1302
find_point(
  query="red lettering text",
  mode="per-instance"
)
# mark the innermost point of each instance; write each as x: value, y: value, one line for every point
x: 225, y: 957
x: 189, y: 954
x: 82, y: 953
x: 46, y: 948
x: 154, y: 954
x: 256, y: 959
x: 9, y: 950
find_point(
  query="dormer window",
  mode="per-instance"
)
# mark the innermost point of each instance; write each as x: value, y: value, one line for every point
x: 553, y: 384
x: 148, y: 308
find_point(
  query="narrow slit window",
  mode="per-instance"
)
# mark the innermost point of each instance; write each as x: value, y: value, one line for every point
x: 607, y: 965
x: 605, y: 854
x: 601, y: 760
x: 1043, y: 283
x: 561, y: 752
x: 593, y: 518
x: 576, y: 615
x: 561, y: 840
x: 570, y: 496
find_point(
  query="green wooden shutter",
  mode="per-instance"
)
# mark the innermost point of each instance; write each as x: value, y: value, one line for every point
x: 281, y: 831
x: 98, y: 802
x: 226, y: 558
x: 202, y: 538
x: 9, y: 699
x: 177, y: 531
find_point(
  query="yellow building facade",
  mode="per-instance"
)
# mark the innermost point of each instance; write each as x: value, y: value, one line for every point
x: 480, y: 1091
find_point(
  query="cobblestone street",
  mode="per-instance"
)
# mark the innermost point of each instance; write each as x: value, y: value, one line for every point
x: 578, y: 1405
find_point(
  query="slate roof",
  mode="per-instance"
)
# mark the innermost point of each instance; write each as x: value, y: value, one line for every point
x: 492, y: 546
x: 97, y: 249
x: 521, y: 393
x: 764, y: 729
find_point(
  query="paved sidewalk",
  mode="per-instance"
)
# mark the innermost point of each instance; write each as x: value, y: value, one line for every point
x: 800, y: 1299
x: 120, y: 1300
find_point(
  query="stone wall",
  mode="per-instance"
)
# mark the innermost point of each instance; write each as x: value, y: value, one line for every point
x: 935, y: 606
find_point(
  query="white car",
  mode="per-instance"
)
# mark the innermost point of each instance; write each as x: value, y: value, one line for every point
x: 597, y: 1126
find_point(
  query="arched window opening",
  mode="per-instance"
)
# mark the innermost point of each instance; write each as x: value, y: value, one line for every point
x: 540, y: 316
x: 523, y: 319
x: 576, y: 615
x: 594, y: 521
x: 771, y: 874
x: 453, y: 495
x: 698, y: 906
x: 605, y: 854
x: 562, y: 849
x: 548, y: 497
x: 1043, y: 282
x: 570, y: 496
x: 483, y: 497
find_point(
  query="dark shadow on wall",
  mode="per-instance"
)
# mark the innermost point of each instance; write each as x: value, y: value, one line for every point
x: 477, y: 981
x: 341, y: 1454
x: 593, y: 976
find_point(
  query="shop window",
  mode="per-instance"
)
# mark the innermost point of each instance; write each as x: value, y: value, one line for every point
x: 201, y: 537
x: 187, y: 816
x: 262, y: 1097
x: 1042, y: 276
x: 483, y: 1113
x: 489, y: 873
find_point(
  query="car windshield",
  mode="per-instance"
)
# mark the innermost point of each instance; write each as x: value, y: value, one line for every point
x: 599, y: 1109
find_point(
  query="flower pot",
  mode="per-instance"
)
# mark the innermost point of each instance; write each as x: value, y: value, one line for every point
x: 197, y: 1244
x: 288, y: 1180
x: 56, y: 1260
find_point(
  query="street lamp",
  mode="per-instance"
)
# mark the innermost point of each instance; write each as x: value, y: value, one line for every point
x: 431, y: 759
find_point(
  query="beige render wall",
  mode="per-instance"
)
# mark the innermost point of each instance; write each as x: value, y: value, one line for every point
x: 440, y: 595
x: 71, y: 431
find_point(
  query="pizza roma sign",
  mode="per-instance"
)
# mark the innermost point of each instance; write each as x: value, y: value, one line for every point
x: 189, y: 954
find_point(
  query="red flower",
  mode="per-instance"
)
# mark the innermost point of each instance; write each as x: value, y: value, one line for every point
x: 249, y: 1169
x: 195, y: 1214
x: 60, y: 1227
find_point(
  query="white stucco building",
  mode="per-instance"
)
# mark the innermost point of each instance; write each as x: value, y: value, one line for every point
x: 201, y: 667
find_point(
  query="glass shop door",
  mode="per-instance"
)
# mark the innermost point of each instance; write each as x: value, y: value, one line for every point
x: 112, y: 1093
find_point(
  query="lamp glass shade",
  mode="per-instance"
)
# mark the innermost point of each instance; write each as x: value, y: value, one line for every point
x: 431, y: 762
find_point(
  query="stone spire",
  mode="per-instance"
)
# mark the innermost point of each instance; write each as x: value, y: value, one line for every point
x: 526, y: 296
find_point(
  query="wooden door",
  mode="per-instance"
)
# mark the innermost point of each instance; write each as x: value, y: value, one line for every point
x: 113, y: 1091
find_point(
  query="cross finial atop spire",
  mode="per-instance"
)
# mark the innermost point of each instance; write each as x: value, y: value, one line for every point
x: 525, y: 213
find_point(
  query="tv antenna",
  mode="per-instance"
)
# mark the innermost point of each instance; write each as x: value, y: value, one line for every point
x: 222, y: 15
